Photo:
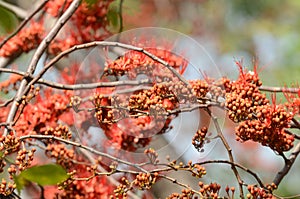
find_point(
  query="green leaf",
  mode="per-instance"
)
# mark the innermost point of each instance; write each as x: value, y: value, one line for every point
x: 91, y: 2
x: 8, y: 21
x: 113, y: 16
x: 20, y: 182
x: 49, y: 174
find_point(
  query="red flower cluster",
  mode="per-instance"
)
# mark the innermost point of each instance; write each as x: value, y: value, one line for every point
x: 88, y: 23
x: 26, y: 40
x: 96, y: 187
x: 38, y: 116
x: 134, y: 63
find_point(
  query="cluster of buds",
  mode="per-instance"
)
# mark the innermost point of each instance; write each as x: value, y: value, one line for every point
x: 217, y: 88
x: 230, y: 191
x: 9, y: 144
x: 200, y: 87
x: 82, y: 184
x: 185, y: 193
x: 259, y: 120
x: 152, y: 155
x: 195, y: 169
x: 209, y: 190
x: 63, y: 155
x: 144, y: 181
x: 268, y: 128
x: 61, y: 131
x: 159, y: 94
x: 144, y: 116
x: 243, y: 96
x: 24, y: 159
x: 26, y: 40
x: 199, y: 138
x: 258, y: 192
x: 121, y: 190
x: 6, y: 188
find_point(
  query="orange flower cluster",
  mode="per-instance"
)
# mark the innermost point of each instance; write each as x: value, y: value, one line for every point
x: 209, y: 190
x: 258, y: 119
x: 61, y: 154
x: 257, y: 192
x: 124, y: 127
x: 268, y: 128
x: 243, y: 96
x: 26, y: 40
x: 130, y: 120
x: 145, y: 180
x: 199, y: 138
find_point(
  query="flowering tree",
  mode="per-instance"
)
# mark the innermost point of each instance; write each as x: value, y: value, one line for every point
x: 132, y: 96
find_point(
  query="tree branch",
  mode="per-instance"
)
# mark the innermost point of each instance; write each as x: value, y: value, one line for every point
x: 37, y: 55
x: 279, y: 89
x: 229, y: 151
x: 51, y: 137
x: 237, y: 165
x: 287, y: 166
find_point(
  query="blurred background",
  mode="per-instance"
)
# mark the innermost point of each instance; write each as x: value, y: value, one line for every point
x: 265, y: 30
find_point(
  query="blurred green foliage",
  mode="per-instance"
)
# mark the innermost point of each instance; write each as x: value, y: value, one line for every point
x: 8, y: 21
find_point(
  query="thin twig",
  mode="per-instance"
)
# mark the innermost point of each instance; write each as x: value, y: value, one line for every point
x: 279, y: 89
x: 175, y: 181
x: 51, y: 137
x: 78, y: 86
x: 237, y: 165
x: 103, y: 171
x: 287, y: 166
x: 7, y: 102
x: 229, y: 151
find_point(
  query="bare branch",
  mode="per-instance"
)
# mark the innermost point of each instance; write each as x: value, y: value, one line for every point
x: 237, y: 165
x: 279, y: 89
x: 287, y: 166
x: 229, y: 151
x: 78, y: 86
